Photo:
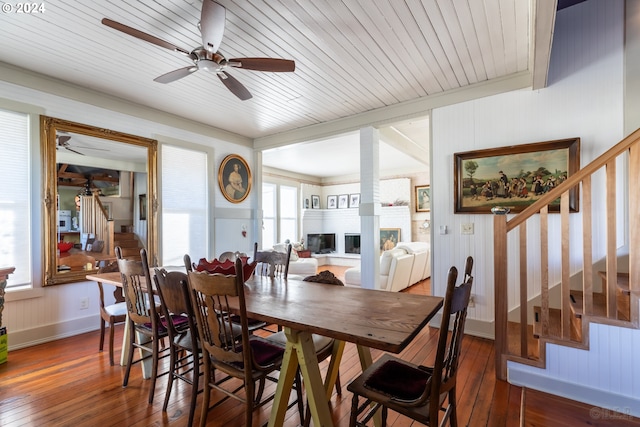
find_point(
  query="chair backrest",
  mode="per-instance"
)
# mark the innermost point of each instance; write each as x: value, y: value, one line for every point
x: 211, y: 295
x: 272, y: 263
x: 468, y: 266
x: 173, y: 289
x: 117, y: 293
x: 455, y: 305
x: 137, y: 288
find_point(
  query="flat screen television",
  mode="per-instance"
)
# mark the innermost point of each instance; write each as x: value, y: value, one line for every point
x: 321, y: 243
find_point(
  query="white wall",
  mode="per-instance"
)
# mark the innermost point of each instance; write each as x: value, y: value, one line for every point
x: 54, y: 312
x: 584, y: 99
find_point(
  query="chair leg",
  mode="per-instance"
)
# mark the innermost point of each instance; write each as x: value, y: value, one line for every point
x: 101, y: 334
x: 338, y: 385
x: 127, y: 371
x: 249, y: 404
x: 208, y: 376
x: 258, y: 396
x: 172, y: 370
x: 194, y: 385
x: 112, y: 328
x: 300, y: 401
x: 354, y: 411
x: 154, y: 370
x: 453, y: 416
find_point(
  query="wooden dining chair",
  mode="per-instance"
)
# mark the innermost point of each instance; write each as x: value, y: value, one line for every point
x: 272, y: 263
x: 179, y: 320
x: 144, y: 319
x: 113, y: 314
x: 251, y: 359
x: 418, y: 392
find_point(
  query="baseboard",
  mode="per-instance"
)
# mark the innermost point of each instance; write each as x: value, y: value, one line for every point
x: 477, y: 328
x: 607, y: 405
x: 52, y: 332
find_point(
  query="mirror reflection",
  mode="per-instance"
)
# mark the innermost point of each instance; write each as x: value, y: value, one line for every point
x: 97, y: 179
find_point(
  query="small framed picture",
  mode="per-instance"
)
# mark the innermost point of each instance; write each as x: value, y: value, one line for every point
x: 332, y: 202
x: 306, y: 203
x: 423, y: 198
x: 343, y: 201
x: 315, y: 202
x: 354, y: 200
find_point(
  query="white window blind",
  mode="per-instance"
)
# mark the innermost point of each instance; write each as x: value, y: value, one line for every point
x: 268, y: 215
x: 15, y: 196
x: 288, y: 213
x: 185, y: 229
x: 280, y: 214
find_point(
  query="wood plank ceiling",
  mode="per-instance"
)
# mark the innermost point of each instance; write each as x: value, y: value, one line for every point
x: 352, y: 56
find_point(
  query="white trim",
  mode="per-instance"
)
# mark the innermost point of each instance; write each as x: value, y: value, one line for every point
x: 522, y: 376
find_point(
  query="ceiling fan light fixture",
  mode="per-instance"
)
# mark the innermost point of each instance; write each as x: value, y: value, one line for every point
x: 208, y: 65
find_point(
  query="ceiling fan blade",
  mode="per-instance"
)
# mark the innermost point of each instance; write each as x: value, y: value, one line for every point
x: 264, y: 64
x: 212, y: 20
x: 74, y: 151
x: 143, y: 36
x: 234, y: 86
x: 174, y: 75
x: 63, y: 138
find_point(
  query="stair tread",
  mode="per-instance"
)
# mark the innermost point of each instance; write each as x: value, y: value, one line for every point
x: 599, y: 303
x: 622, y: 281
x: 555, y: 325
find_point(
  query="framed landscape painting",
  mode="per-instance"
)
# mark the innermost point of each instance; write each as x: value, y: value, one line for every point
x: 514, y: 176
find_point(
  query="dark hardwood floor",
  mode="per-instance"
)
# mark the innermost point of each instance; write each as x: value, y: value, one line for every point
x: 69, y: 383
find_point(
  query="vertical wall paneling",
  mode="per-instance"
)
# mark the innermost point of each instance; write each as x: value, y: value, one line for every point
x: 584, y: 99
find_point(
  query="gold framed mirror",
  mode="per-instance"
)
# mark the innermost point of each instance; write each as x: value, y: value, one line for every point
x: 93, y: 179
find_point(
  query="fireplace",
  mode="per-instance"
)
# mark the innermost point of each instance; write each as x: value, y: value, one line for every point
x: 352, y: 243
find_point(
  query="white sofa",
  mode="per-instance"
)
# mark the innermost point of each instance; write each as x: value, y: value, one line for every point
x: 400, y: 267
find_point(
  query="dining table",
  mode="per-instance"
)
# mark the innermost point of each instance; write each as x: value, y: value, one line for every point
x: 376, y: 319
x: 369, y: 318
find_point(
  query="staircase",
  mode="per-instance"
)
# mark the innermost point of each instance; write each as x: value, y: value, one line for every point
x: 553, y: 294
x: 129, y: 244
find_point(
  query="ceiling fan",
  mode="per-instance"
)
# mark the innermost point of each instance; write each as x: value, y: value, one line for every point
x: 62, y: 141
x: 207, y: 57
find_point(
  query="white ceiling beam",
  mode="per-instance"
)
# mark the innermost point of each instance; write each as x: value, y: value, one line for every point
x: 543, y: 18
x: 399, y: 112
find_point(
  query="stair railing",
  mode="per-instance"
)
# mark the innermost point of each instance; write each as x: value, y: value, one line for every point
x: 507, y: 270
x: 95, y: 219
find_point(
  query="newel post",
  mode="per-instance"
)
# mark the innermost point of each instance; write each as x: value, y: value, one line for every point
x: 500, y: 289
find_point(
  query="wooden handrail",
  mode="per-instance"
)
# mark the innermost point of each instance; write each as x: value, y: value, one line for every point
x: 574, y: 179
x: 562, y: 267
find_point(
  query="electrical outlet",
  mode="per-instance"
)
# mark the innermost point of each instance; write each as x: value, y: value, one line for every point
x: 466, y: 228
x: 84, y: 303
x: 472, y: 301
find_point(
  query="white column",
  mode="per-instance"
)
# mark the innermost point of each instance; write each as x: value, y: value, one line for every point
x: 369, y: 208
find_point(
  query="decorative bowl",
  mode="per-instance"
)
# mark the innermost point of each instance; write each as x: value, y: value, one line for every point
x: 64, y: 246
x: 500, y: 210
x: 226, y: 267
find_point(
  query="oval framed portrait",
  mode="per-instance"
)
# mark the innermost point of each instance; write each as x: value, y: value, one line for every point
x: 234, y: 178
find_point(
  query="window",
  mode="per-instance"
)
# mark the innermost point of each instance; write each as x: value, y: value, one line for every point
x: 280, y: 214
x: 185, y: 229
x: 15, y: 204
